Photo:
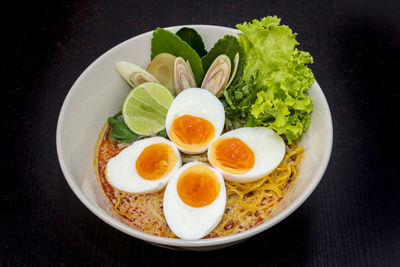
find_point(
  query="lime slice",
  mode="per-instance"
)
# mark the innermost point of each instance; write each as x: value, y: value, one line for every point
x: 145, y: 108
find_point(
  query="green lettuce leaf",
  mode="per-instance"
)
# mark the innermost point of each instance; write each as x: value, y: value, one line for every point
x: 164, y: 41
x: 273, y: 89
x: 193, y: 38
x: 267, y: 45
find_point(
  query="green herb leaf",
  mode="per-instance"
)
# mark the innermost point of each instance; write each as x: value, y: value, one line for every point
x: 163, y: 133
x: 229, y: 46
x: 120, y: 131
x: 122, y: 134
x: 193, y: 38
x: 164, y: 41
x: 238, y: 98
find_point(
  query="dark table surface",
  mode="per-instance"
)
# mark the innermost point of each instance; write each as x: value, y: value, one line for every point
x: 351, y: 219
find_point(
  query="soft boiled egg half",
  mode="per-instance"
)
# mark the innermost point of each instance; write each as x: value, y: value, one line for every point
x: 146, y: 166
x: 195, y: 118
x: 194, y: 200
x: 246, y: 154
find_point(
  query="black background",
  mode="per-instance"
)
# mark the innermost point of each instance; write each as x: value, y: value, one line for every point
x: 351, y: 219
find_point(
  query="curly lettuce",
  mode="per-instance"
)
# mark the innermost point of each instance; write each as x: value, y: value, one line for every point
x: 272, y: 91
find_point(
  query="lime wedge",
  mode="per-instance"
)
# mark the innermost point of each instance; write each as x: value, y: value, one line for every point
x: 145, y: 108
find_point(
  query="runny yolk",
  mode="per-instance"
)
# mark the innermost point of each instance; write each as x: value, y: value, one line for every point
x: 232, y: 155
x: 198, y: 186
x: 156, y: 161
x: 191, y: 133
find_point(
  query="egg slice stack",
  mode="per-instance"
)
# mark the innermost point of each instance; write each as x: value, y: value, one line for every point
x: 195, y: 197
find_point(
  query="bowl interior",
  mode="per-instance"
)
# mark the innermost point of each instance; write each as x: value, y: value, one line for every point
x: 98, y: 94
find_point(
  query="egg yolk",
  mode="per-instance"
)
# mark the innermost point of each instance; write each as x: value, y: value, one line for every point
x: 156, y: 161
x: 232, y: 155
x: 198, y: 186
x: 191, y: 133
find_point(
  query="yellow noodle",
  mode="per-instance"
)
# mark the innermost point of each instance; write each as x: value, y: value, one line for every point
x: 250, y: 204
x: 127, y: 214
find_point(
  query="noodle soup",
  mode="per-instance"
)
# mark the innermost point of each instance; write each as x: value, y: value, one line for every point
x: 247, y: 205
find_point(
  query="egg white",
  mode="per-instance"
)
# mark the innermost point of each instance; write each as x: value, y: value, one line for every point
x: 188, y: 222
x: 268, y: 147
x: 122, y: 174
x: 201, y: 103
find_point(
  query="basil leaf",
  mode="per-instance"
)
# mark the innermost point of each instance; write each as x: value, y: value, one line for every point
x: 193, y: 38
x: 120, y: 131
x: 164, y: 41
x: 122, y: 134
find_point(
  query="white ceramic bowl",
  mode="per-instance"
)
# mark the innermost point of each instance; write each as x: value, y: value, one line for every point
x: 98, y: 94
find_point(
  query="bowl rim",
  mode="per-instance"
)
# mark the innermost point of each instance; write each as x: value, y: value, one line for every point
x: 170, y: 241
